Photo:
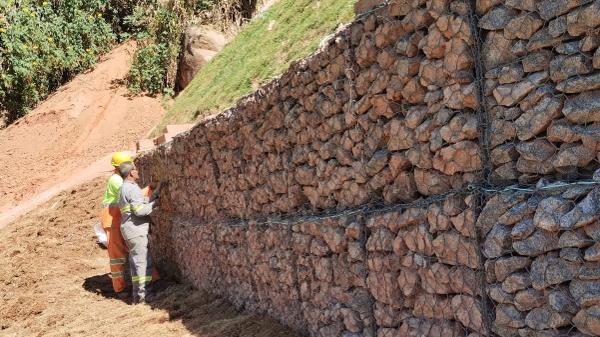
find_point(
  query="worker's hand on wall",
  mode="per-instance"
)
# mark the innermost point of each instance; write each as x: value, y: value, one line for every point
x: 155, y: 192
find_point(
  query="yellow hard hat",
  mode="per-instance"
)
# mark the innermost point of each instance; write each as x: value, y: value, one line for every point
x: 119, y: 158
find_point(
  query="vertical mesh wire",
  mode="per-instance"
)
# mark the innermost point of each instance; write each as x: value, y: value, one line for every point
x: 504, y: 246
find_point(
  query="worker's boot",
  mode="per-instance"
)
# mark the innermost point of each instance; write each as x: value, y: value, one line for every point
x: 123, y: 295
x: 144, y: 300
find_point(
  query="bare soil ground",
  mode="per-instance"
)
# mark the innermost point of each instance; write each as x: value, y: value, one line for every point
x: 54, y: 282
x: 84, y: 120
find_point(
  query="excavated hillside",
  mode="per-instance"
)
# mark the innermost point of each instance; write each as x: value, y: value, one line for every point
x: 84, y: 120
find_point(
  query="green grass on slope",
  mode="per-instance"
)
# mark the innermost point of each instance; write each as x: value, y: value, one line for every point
x: 289, y: 30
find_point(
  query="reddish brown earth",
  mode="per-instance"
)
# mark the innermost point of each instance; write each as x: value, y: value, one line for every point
x: 54, y: 282
x: 84, y: 120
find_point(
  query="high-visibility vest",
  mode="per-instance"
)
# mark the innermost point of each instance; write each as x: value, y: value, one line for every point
x: 111, y: 194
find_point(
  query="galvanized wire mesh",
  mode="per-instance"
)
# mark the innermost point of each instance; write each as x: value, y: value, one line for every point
x: 463, y: 259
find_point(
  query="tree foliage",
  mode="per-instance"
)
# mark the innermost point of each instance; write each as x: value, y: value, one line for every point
x: 45, y: 43
x: 158, y: 28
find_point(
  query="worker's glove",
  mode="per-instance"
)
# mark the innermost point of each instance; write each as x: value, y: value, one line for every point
x: 156, y: 192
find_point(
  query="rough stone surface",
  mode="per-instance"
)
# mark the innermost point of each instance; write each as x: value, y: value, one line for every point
x: 534, y: 121
x: 503, y: 267
x: 498, y: 241
x: 565, y: 66
x: 522, y: 229
x: 500, y: 296
x: 544, y: 282
x: 585, y: 293
x: 548, y: 270
x: 583, y: 108
x: 588, y: 320
x: 593, y: 253
x: 508, y: 315
x: 583, y: 19
x: 575, y: 238
x: 387, y: 179
x: 456, y: 250
x: 516, y: 282
x: 584, y: 213
x: 537, y: 61
x: 201, y: 44
x: 539, y: 242
x: 467, y: 310
x: 549, y: 213
x: 536, y: 150
x: 528, y: 299
x: 546, y: 318
x: 523, y: 26
x: 510, y: 94
x: 548, y: 68
x: 561, y: 301
x: 579, y: 84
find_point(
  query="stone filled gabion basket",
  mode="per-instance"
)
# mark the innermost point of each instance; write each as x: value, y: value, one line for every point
x: 541, y: 78
x: 428, y: 172
x: 541, y: 267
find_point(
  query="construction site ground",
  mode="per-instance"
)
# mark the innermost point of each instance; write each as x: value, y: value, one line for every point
x: 54, y: 282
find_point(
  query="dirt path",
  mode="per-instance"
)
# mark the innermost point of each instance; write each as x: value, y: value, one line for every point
x: 86, y: 119
x: 54, y: 282
x: 99, y: 168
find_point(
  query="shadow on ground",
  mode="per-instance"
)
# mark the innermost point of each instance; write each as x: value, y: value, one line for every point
x: 203, y: 314
x: 101, y: 285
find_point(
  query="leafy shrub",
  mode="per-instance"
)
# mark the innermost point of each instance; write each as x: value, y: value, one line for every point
x: 117, y: 14
x: 159, y: 28
x: 203, y: 5
x: 45, y: 43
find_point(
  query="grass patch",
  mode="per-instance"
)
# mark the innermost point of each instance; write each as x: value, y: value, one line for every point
x: 289, y: 30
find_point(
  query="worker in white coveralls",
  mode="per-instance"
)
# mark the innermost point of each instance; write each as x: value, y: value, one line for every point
x: 135, y: 226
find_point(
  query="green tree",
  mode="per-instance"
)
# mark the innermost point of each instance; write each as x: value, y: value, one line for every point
x: 45, y: 43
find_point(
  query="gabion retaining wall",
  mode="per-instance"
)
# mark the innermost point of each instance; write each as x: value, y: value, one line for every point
x: 399, y: 272
x: 365, y: 191
x: 383, y: 112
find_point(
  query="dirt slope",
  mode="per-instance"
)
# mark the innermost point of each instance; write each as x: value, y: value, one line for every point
x: 86, y: 119
x: 54, y: 282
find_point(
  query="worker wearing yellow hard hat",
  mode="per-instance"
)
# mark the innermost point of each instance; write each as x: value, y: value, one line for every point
x: 111, y: 222
x: 119, y: 158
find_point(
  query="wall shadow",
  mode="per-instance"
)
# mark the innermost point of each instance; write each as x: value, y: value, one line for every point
x: 203, y: 314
